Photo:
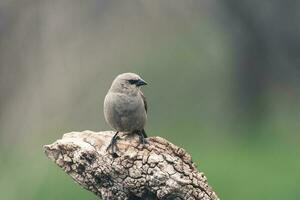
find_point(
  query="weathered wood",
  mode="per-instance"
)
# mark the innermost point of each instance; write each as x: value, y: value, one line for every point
x: 157, y: 170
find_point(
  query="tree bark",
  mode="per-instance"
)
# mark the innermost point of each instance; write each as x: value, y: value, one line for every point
x: 154, y: 171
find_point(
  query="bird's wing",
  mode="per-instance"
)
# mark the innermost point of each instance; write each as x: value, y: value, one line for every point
x: 145, y: 102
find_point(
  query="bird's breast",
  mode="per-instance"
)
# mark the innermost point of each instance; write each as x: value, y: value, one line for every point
x: 124, y: 113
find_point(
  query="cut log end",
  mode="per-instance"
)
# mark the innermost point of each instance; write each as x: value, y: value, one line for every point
x: 156, y: 170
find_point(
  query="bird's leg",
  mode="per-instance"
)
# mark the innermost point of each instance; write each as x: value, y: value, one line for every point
x: 113, y: 143
x: 142, y: 136
x: 144, y: 133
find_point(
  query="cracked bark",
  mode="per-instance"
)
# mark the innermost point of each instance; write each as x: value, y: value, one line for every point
x: 158, y: 170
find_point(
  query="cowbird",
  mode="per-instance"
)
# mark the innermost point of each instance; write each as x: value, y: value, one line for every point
x: 125, y: 107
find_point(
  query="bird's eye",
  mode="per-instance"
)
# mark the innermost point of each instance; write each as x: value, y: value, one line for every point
x: 133, y: 81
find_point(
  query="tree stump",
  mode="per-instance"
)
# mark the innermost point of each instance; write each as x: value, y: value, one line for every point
x: 158, y: 170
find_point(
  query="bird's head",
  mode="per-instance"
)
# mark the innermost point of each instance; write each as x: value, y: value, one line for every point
x: 128, y: 83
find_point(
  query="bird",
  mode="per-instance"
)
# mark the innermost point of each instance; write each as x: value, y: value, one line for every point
x: 125, y: 107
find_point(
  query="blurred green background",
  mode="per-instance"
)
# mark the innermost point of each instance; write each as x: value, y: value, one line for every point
x: 224, y: 83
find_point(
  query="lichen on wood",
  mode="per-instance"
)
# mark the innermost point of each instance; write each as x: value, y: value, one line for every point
x: 158, y: 170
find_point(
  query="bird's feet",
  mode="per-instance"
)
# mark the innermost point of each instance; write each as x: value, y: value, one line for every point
x: 113, y: 144
x: 142, y: 137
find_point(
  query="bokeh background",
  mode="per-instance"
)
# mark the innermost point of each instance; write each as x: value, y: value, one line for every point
x: 224, y: 83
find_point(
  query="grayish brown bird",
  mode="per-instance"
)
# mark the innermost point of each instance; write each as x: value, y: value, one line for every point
x: 125, y: 107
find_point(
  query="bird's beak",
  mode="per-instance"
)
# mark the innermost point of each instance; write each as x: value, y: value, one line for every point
x: 141, y: 82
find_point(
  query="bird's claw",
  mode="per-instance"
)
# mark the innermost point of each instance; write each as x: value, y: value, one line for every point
x: 142, y: 139
x: 113, y: 144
